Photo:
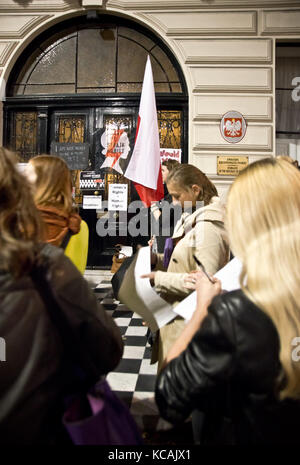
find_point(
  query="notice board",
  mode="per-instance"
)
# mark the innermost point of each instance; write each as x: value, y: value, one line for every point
x: 76, y: 155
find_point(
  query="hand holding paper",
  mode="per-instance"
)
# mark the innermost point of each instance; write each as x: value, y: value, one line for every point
x: 140, y: 297
x: 229, y: 277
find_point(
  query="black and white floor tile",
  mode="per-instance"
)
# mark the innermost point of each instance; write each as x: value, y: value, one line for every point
x: 134, y: 378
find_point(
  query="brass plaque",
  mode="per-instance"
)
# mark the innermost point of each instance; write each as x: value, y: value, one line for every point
x: 231, y: 166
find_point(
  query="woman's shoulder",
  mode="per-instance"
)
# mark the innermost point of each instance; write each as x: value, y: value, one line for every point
x: 236, y: 301
x: 213, y: 212
x: 235, y: 308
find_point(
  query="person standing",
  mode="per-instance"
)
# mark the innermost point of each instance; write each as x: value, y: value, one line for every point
x: 237, y: 358
x: 37, y: 374
x: 199, y: 233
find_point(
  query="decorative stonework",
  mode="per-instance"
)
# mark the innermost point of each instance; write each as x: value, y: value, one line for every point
x: 190, y: 4
x: 6, y: 49
x: 205, y: 23
x: 207, y: 137
x: 16, y: 26
x: 93, y: 3
x: 231, y: 79
x: 200, y: 50
x: 38, y: 5
x: 212, y: 107
x: 281, y: 22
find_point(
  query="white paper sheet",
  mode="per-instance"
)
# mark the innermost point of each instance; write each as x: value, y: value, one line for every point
x: 117, y: 197
x: 229, y: 276
x: 92, y: 202
x: 138, y: 295
x: 126, y: 250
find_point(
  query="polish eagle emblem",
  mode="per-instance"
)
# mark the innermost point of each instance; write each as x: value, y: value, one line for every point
x: 233, y: 127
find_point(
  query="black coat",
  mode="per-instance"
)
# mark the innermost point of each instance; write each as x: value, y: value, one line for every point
x: 229, y: 371
x: 37, y: 374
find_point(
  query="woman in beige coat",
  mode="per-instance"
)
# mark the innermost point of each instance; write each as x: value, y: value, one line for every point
x: 200, y: 233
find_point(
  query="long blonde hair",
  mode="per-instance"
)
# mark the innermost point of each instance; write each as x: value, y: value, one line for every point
x: 263, y: 222
x: 53, y: 185
x: 20, y: 225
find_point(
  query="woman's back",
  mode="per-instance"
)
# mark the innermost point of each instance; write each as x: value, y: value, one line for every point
x: 235, y: 360
x: 36, y: 373
x: 51, y: 183
x: 235, y: 353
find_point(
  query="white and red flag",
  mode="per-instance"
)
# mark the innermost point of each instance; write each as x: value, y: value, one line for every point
x: 144, y: 165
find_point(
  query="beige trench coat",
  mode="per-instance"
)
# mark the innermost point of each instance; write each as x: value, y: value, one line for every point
x: 204, y: 237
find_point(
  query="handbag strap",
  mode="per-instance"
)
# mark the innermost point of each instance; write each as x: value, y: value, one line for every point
x: 66, y: 240
x: 71, y: 342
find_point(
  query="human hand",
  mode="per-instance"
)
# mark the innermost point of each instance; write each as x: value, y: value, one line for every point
x: 157, y: 214
x: 151, y: 276
x: 190, y: 280
x: 206, y: 289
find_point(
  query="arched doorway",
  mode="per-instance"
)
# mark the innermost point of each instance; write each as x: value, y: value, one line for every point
x: 78, y: 79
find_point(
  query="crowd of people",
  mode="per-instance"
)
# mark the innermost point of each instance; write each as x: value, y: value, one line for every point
x: 231, y: 367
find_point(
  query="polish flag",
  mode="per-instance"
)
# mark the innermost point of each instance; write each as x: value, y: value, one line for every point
x: 144, y: 165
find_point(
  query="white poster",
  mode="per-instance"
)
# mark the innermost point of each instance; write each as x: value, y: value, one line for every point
x: 92, y: 202
x: 117, y: 197
x: 170, y: 154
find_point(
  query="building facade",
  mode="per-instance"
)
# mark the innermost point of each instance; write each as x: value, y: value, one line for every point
x: 226, y: 51
x: 69, y: 68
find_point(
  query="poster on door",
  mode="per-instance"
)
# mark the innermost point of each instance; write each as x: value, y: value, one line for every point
x: 170, y: 154
x: 114, y: 145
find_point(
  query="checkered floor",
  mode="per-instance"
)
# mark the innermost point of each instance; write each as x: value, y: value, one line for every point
x: 134, y: 378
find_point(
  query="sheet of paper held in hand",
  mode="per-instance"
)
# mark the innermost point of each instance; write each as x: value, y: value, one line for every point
x: 229, y: 277
x: 126, y: 250
x: 138, y: 295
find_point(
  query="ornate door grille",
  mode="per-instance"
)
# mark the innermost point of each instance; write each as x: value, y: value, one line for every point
x: 169, y: 126
x: 71, y: 129
x: 24, y: 135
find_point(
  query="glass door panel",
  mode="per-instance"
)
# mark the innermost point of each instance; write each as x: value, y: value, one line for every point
x: 71, y: 128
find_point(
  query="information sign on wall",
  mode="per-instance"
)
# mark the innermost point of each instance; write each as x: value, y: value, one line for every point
x: 231, y: 166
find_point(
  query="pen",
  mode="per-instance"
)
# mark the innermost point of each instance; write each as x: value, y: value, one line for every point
x: 203, y: 269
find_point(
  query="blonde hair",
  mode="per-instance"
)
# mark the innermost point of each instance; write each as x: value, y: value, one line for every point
x: 263, y: 223
x: 186, y: 176
x: 286, y: 158
x: 53, y: 185
x: 20, y: 224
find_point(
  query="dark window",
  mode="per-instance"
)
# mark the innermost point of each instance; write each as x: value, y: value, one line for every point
x: 288, y: 99
x: 95, y: 60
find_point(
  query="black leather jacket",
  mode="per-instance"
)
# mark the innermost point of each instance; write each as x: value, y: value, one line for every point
x: 229, y: 372
x: 37, y: 374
